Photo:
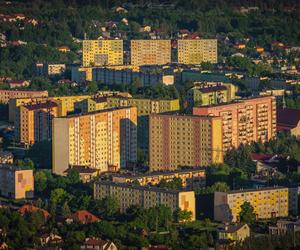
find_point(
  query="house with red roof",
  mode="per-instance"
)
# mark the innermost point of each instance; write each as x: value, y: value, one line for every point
x: 18, y: 83
x: 96, y: 243
x: 83, y: 216
x: 288, y: 120
x: 28, y: 208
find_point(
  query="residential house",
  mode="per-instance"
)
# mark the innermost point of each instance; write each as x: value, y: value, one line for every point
x: 83, y: 216
x: 233, y: 232
x: 28, y: 208
x: 96, y: 243
x: 284, y: 226
x: 288, y: 120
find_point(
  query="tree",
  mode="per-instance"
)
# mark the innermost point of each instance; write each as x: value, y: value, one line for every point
x: 57, y: 195
x: 247, y: 214
x: 40, y: 181
x: 66, y: 212
x: 73, y: 176
x: 182, y: 215
x: 92, y: 87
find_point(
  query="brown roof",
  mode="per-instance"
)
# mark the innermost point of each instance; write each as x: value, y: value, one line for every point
x: 260, y: 157
x: 288, y: 118
x: 43, y: 105
x: 96, y: 242
x: 28, y: 208
x: 84, y: 217
x: 212, y: 88
x: 83, y: 170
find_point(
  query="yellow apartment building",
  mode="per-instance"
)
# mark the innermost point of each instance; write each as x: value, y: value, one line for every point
x: 196, y: 51
x: 102, y: 52
x: 145, y: 107
x: 150, y: 52
x: 271, y: 202
x: 7, y: 95
x: 103, y: 140
x: 128, y: 195
x: 65, y: 104
x: 16, y: 183
x: 184, y: 140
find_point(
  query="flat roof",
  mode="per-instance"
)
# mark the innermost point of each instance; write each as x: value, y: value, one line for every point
x: 13, y: 167
x: 142, y: 188
x: 160, y: 173
x: 254, y: 190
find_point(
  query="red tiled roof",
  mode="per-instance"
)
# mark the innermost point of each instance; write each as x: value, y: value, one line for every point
x: 27, y: 208
x: 95, y: 242
x: 260, y: 157
x: 84, y: 217
x: 160, y: 247
x: 288, y: 118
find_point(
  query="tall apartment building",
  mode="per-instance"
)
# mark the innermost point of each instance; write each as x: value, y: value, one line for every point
x: 34, y: 122
x: 209, y: 93
x: 128, y: 195
x: 245, y: 120
x: 191, y: 178
x: 102, y: 52
x: 145, y: 107
x: 101, y: 140
x: 15, y: 182
x: 65, y: 104
x: 197, y: 51
x: 149, y: 52
x: 268, y: 203
x: 6, y: 95
x: 184, y: 140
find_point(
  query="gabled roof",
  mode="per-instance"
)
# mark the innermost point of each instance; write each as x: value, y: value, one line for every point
x: 232, y: 228
x: 28, y: 208
x: 288, y: 118
x: 261, y: 157
x: 84, y: 217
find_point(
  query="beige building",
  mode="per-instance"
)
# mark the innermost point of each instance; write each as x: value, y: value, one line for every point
x: 6, y: 157
x: 128, y: 195
x: 271, y: 202
x: 196, y: 51
x: 184, y: 140
x: 149, y: 52
x: 102, y: 52
x: 234, y: 232
x: 191, y: 178
x: 245, y: 120
x: 6, y: 95
x: 15, y: 182
x: 103, y: 140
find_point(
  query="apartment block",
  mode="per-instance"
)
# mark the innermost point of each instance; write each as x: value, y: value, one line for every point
x: 34, y: 122
x: 196, y: 51
x: 271, y: 202
x: 103, y: 140
x: 145, y: 107
x: 184, y: 140
x: 102, y: 52
x: 208, y: 93
x: 66, y: 104
x: 128, y: 195
x: 15, y: 182
x: 244, y: 121
x: 6, y: 95
x: 150, y: 52
x: 191, y: 178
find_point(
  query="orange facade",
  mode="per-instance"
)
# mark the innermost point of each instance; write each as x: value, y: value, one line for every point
x: 244, y: 121
x: 6, y: 95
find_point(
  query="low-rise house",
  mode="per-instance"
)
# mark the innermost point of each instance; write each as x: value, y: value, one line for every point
x: 3, y: 245
x: 18, y: 83
x: 86, y: 174
x: 50, y: 239
x: 96, y: 243
x: 284, y: 226
x: 233, y: 232
x: 288, y: 120
x: 6, y: 157
x: 83, y: 216
x: 28, y: 208
x: 266, y: 164
x: 64, y: 49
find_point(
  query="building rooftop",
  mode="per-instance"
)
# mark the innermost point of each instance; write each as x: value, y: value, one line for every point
x: 84, y: 216
x: 288, y: 117
x: 208, y: 89
x: 13, y: 167
x: 254, y: 190
x: 231, y: 228
x: 160, y: 173
x: 142, y: 188
x: 41, y: 105
x: 93, y: 112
